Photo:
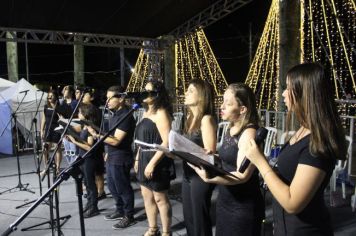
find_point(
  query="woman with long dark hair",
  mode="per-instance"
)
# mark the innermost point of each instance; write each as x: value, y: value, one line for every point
x: 307, y: 160
x: 49, y: 122
x: 200, y: 127
x: 155, y: 170
x: 90, y: 113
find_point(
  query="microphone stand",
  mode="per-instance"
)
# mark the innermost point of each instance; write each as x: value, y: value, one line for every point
x: 35, y: 151
x: 52, y: 164
x: 74, y: 171
x: 20, y: 186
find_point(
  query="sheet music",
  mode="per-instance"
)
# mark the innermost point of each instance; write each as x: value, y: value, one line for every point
x: 178, y: 142
x: 75, y: 122
x: 153, y: 146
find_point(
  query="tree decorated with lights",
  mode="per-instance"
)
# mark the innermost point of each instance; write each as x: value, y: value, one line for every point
x: 263, y: 76
x: 327, y: 33
x: 194, y: 59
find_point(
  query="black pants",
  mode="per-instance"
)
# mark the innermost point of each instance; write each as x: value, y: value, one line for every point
x: 119, y: 184
x: 196, y: 206
x: 89, y: 180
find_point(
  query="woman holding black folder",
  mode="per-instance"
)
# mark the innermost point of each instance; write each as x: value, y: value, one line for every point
x: 90, y: 113
x: 200, y: 127
x: 240, y: 206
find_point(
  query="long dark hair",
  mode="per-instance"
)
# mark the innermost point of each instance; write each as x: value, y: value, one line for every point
x: 90, y: 113
x: 315, y: 109
x: 205, y: 105
x: 162, y: 100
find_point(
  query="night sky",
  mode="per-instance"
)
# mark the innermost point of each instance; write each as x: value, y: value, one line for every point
x: 53, y: 64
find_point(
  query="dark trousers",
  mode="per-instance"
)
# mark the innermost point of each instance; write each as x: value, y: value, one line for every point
x: 196, y: 206
x: 89, y: 181
x: 119, y: 184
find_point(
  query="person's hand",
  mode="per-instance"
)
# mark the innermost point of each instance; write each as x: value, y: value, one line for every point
x: 208, y: 152
x: 149, y: 170
x: 136, y: 166
x: 253, y: 152
x: 201, y: 172
x: 92, y: 131
x: 70, y: 138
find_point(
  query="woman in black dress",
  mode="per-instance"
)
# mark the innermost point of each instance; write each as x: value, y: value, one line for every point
x: 307, y: 160
x: 90, y: 113
x: 155, y: 170
x: 49, y: 122
x: 200, y: 127
x: 239, y: 207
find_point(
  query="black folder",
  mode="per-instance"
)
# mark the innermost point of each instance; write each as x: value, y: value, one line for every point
x: 213, y: 170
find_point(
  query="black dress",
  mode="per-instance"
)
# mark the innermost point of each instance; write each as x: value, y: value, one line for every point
x: 315, y: 218
x: 240, y: 207
x: 196, y: 197
x: 50, y: 135
x: 164, y: 172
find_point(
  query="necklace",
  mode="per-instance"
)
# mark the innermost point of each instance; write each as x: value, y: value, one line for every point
x: 299, y: 136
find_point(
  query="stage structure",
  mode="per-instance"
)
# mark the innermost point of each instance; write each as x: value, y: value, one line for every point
x: 328, y: 34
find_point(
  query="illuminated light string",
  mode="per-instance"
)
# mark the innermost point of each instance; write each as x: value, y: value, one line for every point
x: 324, y: 38
x: 265, y: 65
x: 337, y: 41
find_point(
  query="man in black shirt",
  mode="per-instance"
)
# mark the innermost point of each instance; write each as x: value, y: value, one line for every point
x: 119, y: 159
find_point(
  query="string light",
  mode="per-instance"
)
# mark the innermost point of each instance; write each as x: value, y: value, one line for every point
x: 195, y: 59
x: 263, y: 76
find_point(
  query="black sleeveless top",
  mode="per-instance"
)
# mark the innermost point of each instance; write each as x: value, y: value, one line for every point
x: 196, y: 138
x: 240, y: 207
x: 228, y: 155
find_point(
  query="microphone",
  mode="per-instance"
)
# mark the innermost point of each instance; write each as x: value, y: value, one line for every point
x: 25, y: 91
x: 261, y: 134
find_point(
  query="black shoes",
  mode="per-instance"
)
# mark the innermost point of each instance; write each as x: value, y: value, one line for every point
x: 124, y: 222
x: 114, y: 216
x: 101, y: 196
x: 92, y: 211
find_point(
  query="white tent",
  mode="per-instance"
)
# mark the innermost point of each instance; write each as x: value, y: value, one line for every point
x: 10, y: 100
x: 4, y: 84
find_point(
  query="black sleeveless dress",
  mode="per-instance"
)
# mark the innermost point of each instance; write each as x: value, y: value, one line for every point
x: 164, y: 172
x: 50, y: 135
x: 196, y: 197
x: 240, y: 207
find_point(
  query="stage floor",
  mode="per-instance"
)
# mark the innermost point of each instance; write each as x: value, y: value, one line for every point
x: 344, y: 219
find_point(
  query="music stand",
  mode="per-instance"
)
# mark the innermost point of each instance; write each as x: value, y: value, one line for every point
x: 13, y: 120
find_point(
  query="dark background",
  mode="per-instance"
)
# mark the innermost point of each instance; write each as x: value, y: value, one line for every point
x: 53, y: 64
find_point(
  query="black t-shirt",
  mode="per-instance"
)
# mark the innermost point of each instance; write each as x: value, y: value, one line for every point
x: 122, y: 153
x: 314, y: 219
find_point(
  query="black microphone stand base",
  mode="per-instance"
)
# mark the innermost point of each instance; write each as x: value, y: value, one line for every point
x: 64, y: 219
x: 20, y: 186
x: 46, y: 202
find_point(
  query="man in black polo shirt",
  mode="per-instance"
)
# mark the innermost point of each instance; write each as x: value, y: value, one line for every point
x: 119, y: 159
